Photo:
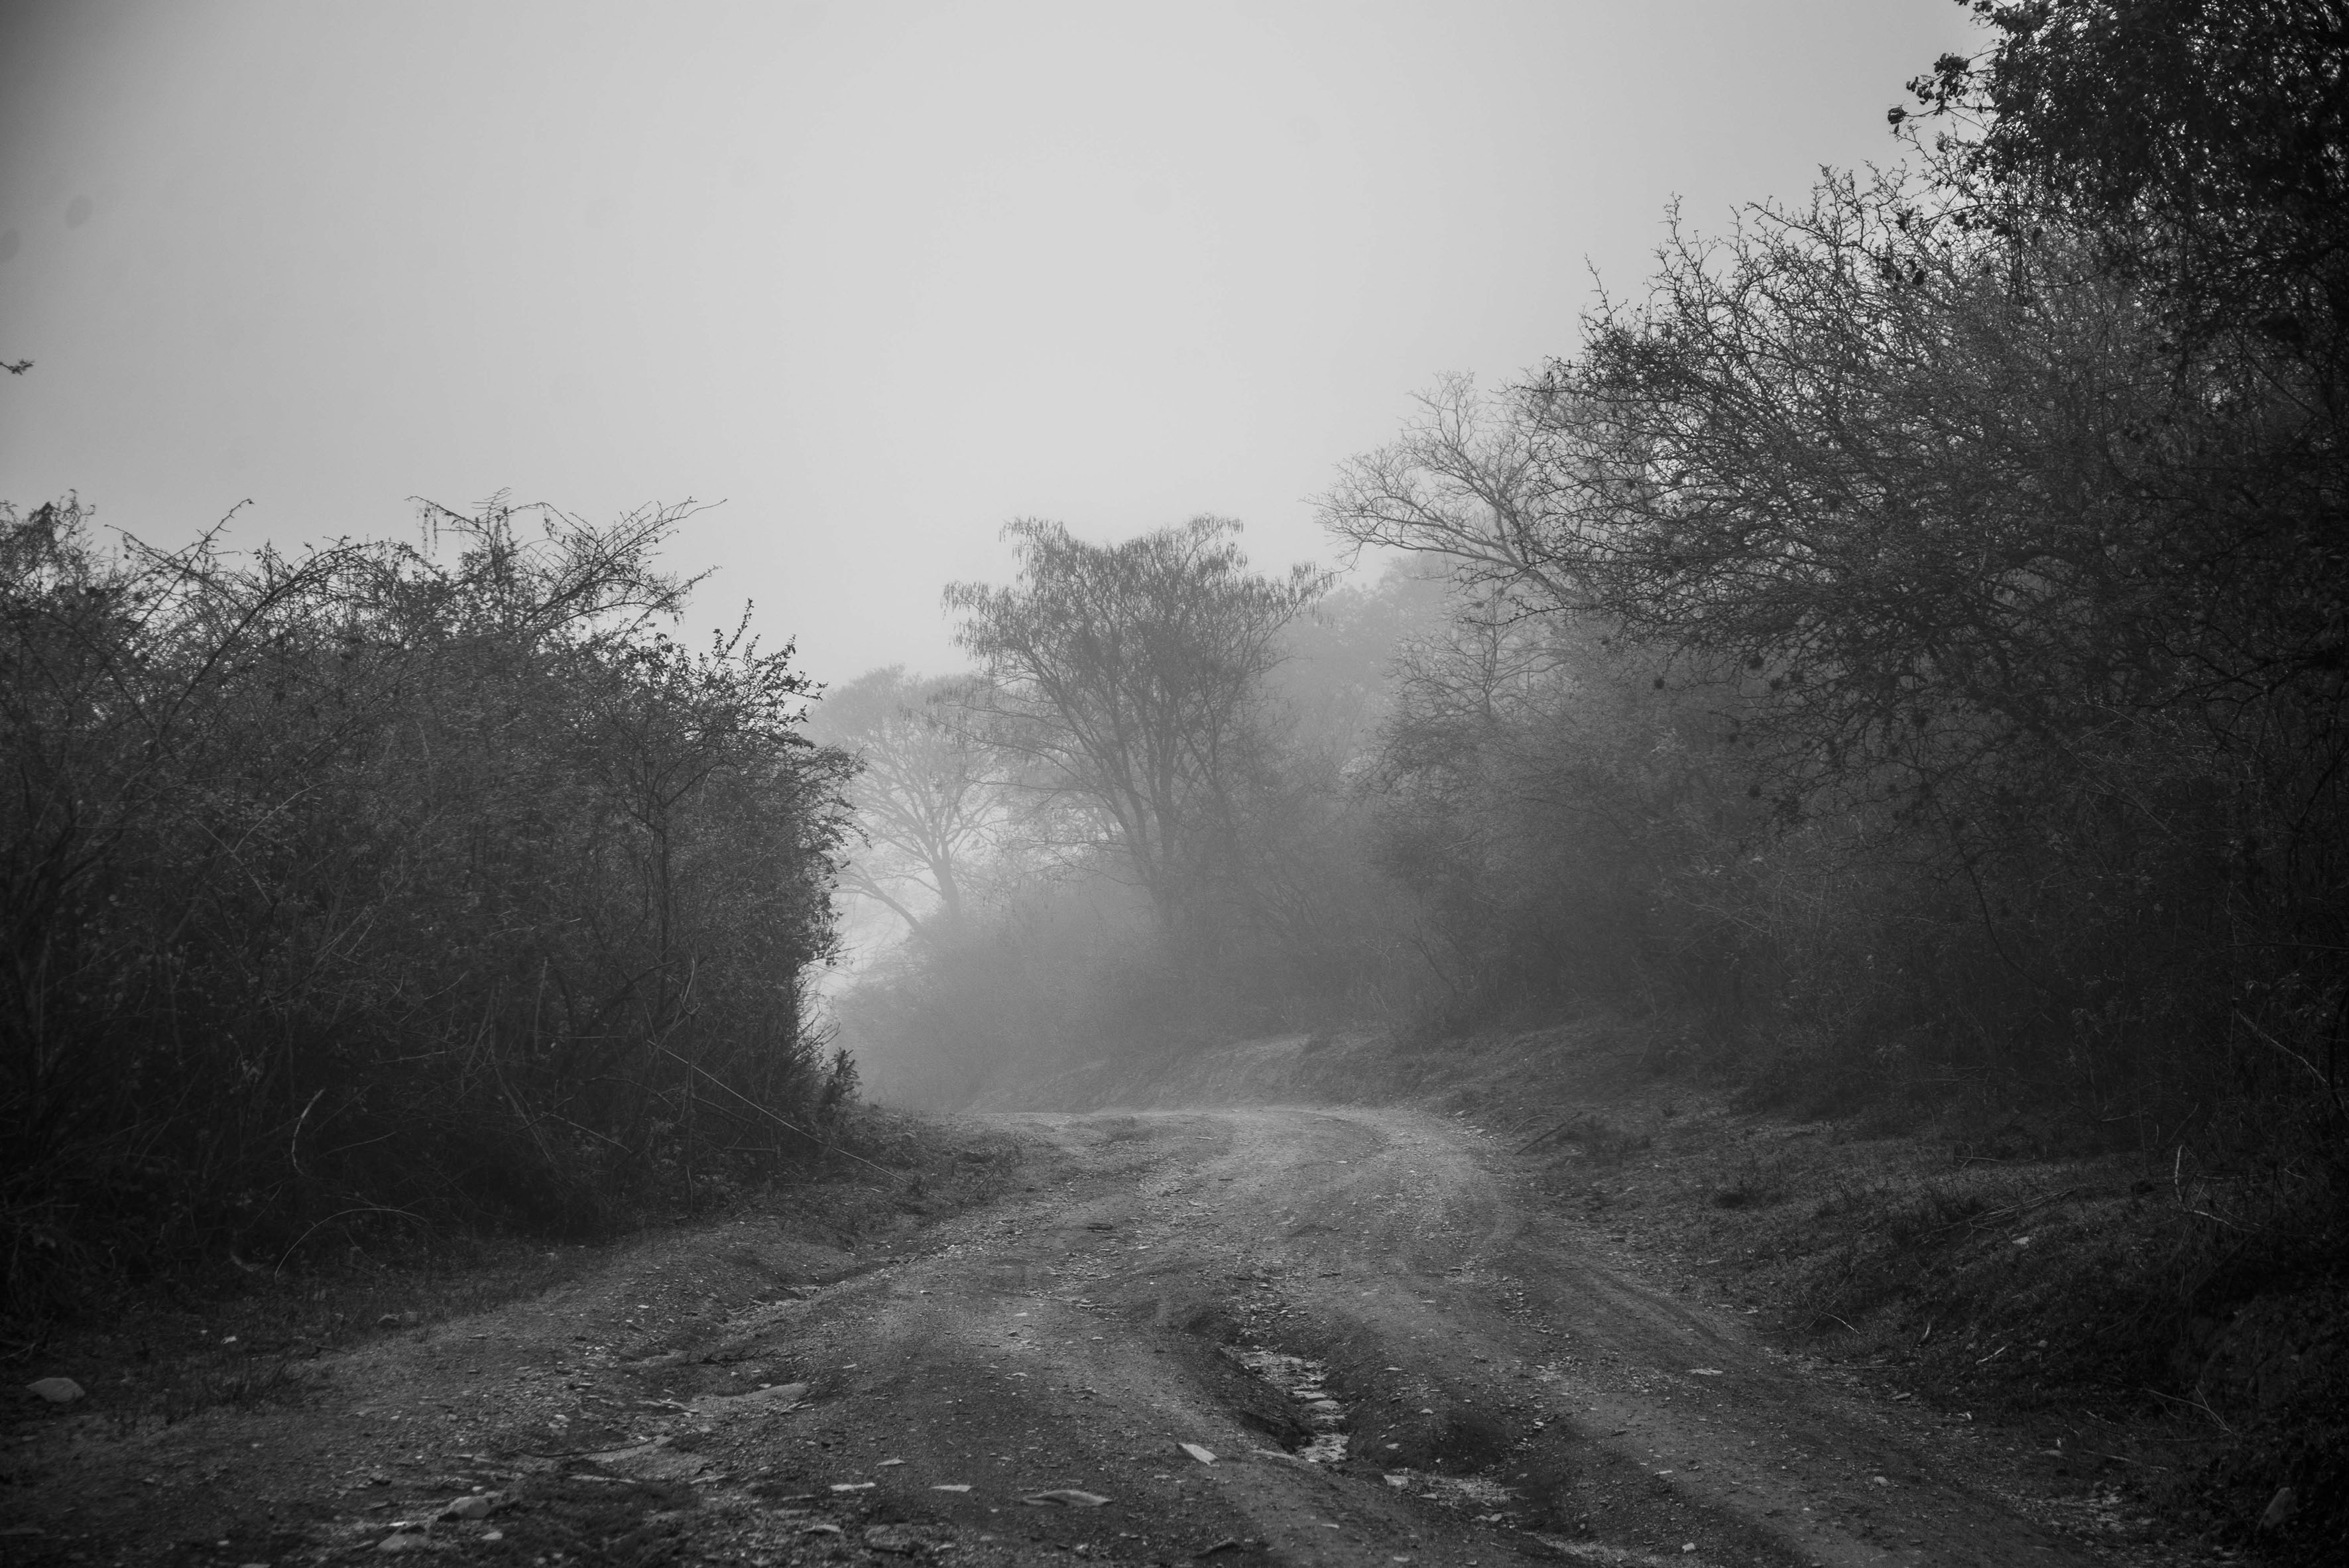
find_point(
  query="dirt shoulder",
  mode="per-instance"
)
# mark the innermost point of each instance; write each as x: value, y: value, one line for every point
x: 2127, y: 1354
x: 271, y: 1416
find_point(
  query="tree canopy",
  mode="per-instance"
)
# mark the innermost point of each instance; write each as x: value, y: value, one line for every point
x: 1127, y: 673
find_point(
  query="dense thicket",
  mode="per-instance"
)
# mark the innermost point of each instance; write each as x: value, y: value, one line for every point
x: 1923, y: 613
x: 1911, y: 636
x: 386, y: 885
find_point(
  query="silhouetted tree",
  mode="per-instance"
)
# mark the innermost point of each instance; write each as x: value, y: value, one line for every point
x: 1129, y: 674
x: 2203, y: 145
x: 930, y: 796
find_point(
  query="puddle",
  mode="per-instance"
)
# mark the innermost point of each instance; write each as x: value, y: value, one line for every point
x: 1302, y: 1380
x: 1459, y: 1491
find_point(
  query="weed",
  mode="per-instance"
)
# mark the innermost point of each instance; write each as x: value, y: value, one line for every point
x: 1755, y: 1185
x: 241, y: 1381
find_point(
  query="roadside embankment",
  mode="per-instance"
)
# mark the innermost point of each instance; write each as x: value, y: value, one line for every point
x: 2174, y: 1336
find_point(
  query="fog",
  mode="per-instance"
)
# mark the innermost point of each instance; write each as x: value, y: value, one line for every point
x: 1408, y: 621
x: 449, y: 449
x: 879, y: 277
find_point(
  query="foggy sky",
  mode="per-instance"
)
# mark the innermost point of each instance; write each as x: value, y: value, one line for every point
x: 880, y: 276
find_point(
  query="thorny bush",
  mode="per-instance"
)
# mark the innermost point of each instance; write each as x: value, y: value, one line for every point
x: 388, y: 885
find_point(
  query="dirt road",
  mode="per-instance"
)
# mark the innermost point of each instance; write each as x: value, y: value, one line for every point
x: 1391, y: 1354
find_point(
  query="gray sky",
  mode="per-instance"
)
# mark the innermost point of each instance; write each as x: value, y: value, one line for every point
x: 879, y: 275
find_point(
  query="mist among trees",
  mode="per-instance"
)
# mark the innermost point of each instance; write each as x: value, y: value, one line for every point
x: 1902, y: 647
x: 1897, y: 657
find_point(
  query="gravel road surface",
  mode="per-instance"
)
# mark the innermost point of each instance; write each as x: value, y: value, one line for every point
x: 1327, y: 1337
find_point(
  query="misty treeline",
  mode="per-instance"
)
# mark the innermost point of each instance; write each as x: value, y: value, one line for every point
x: 387, y: 885
x: 1135, y: 828
x: 1906, y: 644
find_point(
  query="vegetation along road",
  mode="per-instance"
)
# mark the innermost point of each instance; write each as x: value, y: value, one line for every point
x: 1389, y: 1352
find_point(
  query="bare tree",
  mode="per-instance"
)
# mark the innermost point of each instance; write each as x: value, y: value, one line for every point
x: 930, y: 797
x: 1477, y: 478
x: 1128, y: 674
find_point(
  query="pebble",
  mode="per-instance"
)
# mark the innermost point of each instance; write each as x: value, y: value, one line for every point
x: 55, y: 1390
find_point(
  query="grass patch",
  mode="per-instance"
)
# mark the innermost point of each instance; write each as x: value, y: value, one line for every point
x: 203, y: 1383
x: 2183, y: 1344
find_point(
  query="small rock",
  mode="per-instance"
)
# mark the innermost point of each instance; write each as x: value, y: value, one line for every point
x: 1204, y: 1456
x: 476, y: 1507
x: 779, y: 1394
x: 2280, y: 1509
x: 405, y: 1541
x: 1064, y: 1497
x: 55, y: 1390
x: 893, y: 1538
x: 819, y: 1528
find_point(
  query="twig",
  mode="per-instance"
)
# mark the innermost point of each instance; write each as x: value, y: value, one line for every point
x: 362, y: 1208
x: 2124, y: 1459
x: 2313, y: 1071
x: 1541, y: 1138
x: 294, y: 1144
x: 1976, y: 1222
x: 2193, y: 1404
x: 754, y: 1104
x: 2177, y: 1188
x: 590, y: 1131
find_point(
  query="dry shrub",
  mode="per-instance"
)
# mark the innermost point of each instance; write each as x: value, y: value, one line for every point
x: 385, y: 887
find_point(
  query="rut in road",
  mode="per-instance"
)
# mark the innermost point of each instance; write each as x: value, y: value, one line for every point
x: 1502, y: 1391
x: 1390, y: 1353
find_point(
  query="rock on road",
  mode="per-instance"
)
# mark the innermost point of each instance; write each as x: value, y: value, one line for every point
x: 1391, y: 1353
